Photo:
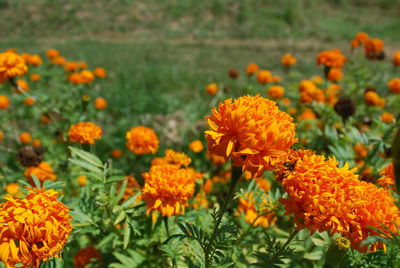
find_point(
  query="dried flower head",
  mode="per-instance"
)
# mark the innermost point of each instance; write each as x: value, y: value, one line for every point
x: 84, y: 132
x: 29, y: 156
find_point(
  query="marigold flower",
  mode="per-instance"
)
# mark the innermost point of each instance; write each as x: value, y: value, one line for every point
x: 11, y: 65
x: 100, y: 72
x: 394, y: 85
x: 142, y: 140
x: 335, y: 74
x: 251, y: 130
x: 43, y: 172
x: 35, y: 60
x: 75, y: 78
x: 71, y: 66
x: 25, y: 137
x: 30, y: 101
x: 216, y: 159
x: 354, y: 43
x: 59, y: 60
x: 372, y: 98
x: 252, y: 68
x: 116, y: 153
x: 84, y: 132
x: 196, y: 146
x: 100, y: 103
x: 387, y: 118
x: 331, y: 58
x: 23, y: 85
x: 276, y: 92
x: 13, y: 189
x: 307, y: 114
x: 309, y: 92
x: 52, y: 53
x: 265, y: 77
x: 4, y: 102
x: 276, y: 79
x: 396, y: 59
x: 288, y: 60
x: 362, y: 37
x: 286, y: 101
x: 388, y: 179
x: 82, y: 65
x: 200, y: 201
x: 252, y: 216
x: 212, y: 89
x: 360, y: 150
x: 34, y: 229
x: 317, y: 80
x: 374, y: 48
x: 167, y: 189
x: 82, y: 180
x: 35, y: 77
x: 87, y: 257
x: 1, y: 135
x: 87, y: 76
x: 172, y: 158
x: 324, y: 197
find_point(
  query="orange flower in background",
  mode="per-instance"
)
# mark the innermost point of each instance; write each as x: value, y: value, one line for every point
x: 30, y: 101
x: 265, y: 77
x: 335, y: 75
x: 388, y: 179
x: 100, y: 103
x: 247, y: 206
x: 362, y: 37
x: 212, y: 89
x: 200, y: 201
x: 35, y: 77
x: 87, y: 76
x: 360, y: 150
x: 34, y: 229
x: 71, y: 66
x: 43, y: 172
x: 1, y: 135
x: 82, y: 180
x: 331, y: 58
x: 323, y: 197
x: 84, y: 132
x: 196, y: 146
x: 251, y: 130
x: 307, y: 114
x: 167, y: 189
x: 288, y: 60
x: 52, y: 53
x: 354, y: 43
x: 142, y: 140
x: 373, y: 48
x: 35, y: 60
x: 75, y: 78
x: 394, y: 85
x: 387, y: 118
x: 396, y: 59
x: 59, y: 60
x: 23, y: 85
x: 276, y: 92
x: 309, y: 92
x: 116, y: 153
x: 100, y: 72
x: 252, y: 68
x: 11, y: 65
x: 13, y: 189
x: 216, y: 159
x: 372, y: 98
x: 317, y: 80
x: 172, y: 158
x: 276, y: 79
x: 25, y: 137
x: 4, y: 102
x: 87, y: 257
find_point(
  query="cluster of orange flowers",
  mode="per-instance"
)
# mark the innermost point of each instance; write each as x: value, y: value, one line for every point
x: 373, y: 47
x: 142, y: 140
x: 11, y: 65
x: 33, y: 229
x: 331, y: 58
x: 42, y: 172
x: 84, y: 132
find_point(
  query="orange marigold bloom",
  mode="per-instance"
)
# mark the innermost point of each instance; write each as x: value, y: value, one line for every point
x: 172, y: 158
x: 335, y: 74
x: 216, y: 159
x: 75, y: 78
x: 309, y: 92
x: 35, y: 77
x: 307, y: 114
x: 360, y: 150
x: 36, y: 142
x: 82, y: 180
x: 43, y: 172
x: 35, y: 60
x: 212, y: 89
x: 82, y: 65
x: 394, y: 85
x: 324, y: 197
x: 317, y: 80
x: 59, y: 60
x: 252, y: 68
x: 372, y: 98
x: 87, y: 257
x: 331, y: 58
x: 354, y: 43
x: 4, y: 102
x: 1, y: 135
x: 288, y: 60
x: 200, y: 201
x: 13, y: 189
x: 25, y: 137
x: 167, y: 189
x: 196, y: 146
x: 33, y: 229
x: 276, y: 79
x: 387, y: 179
x: 373, y: 48
x: 116, y: 153
x: 142, y: 140
x: 84, y: 132
x: 52, y: 53
x: 71, y: 66
x: 265, y: 77
x: 23, y: 85
x: 248, y: 207
x: 100, y: 103
x: 276, y: 92
x: 30, y: 101
x: 100, y: 72
x: 251, y: 130
x: 396, y: 59
x: 362, y: 37
x: 87, y: 76
x: 388, y: 118
x: 11, y: 65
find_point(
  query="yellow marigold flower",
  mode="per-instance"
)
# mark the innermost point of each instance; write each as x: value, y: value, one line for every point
x: 84, y: 132
x: 167, y: 189
x: 43, y: 172
x: 265, y: 77
x: 331, y: 58
x: 387, y: 179
x: 11, y: 65
x: 388, y: 118
x: 25, y: 137
x: 30, y: 101
x: 4, y: 102
x: 288, y: 60
x: 212, y: 89
x: 372, y: 98
x: 324, y: 197
x: 373, y: 48
x: 100, y: 103
x: 82, y: 180
x: 87, y: 76
x: 71, y: 66
x: 196, y: 146
x: 335, y: 74
x: 33, y: 229
x: 116, y: 153
x: 394, y: 85
x: 35, y: 77
x: 87, y: 257
x: 396, y: 59
x: 142, y: 140
x: 251, y: 130
x: 100, y: 72
x: 361, y: 150
x: 52, y: 53
x: 276, y: 92
x: 252, y: 216
x: 252, y: 68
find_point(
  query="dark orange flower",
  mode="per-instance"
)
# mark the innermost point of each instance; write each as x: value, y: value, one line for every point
x: 373, y: 48
x: 4, y: 102
x: 52, y: 53
x: 43, y: 172
x: 335, y: 74
x: 265, y: 77
x: 396, y: 59
x: 84, y: 132
x: 25, y: 137
x: 252, y: 68
x: 100, y: 103
x: 142, y: 140
x: 331, y: 58
x: 11, y: 65
x: 372, y: 98
x: 212, y: 89
x: 388, y: 179
x: 288, y: 60
x: 394, y: 85
x: 100, y: 72
x: 276, y: 92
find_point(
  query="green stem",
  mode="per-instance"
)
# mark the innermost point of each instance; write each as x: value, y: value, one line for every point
x: 290, y: 238
x: 236, y: 174
x: 165, y: 220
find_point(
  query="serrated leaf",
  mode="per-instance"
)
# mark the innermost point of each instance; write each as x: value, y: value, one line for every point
x: 88, y: 157
x: 81, y: 217
x: 86, y: 166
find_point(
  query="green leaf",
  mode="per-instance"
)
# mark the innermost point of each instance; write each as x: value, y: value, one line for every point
x: 80, y: 217
x: 88, y: 157
x: 120, y: 217
x: 130, y: 200
x: 127, y: 234
x: 86, y: 165
x: 36, y: 181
